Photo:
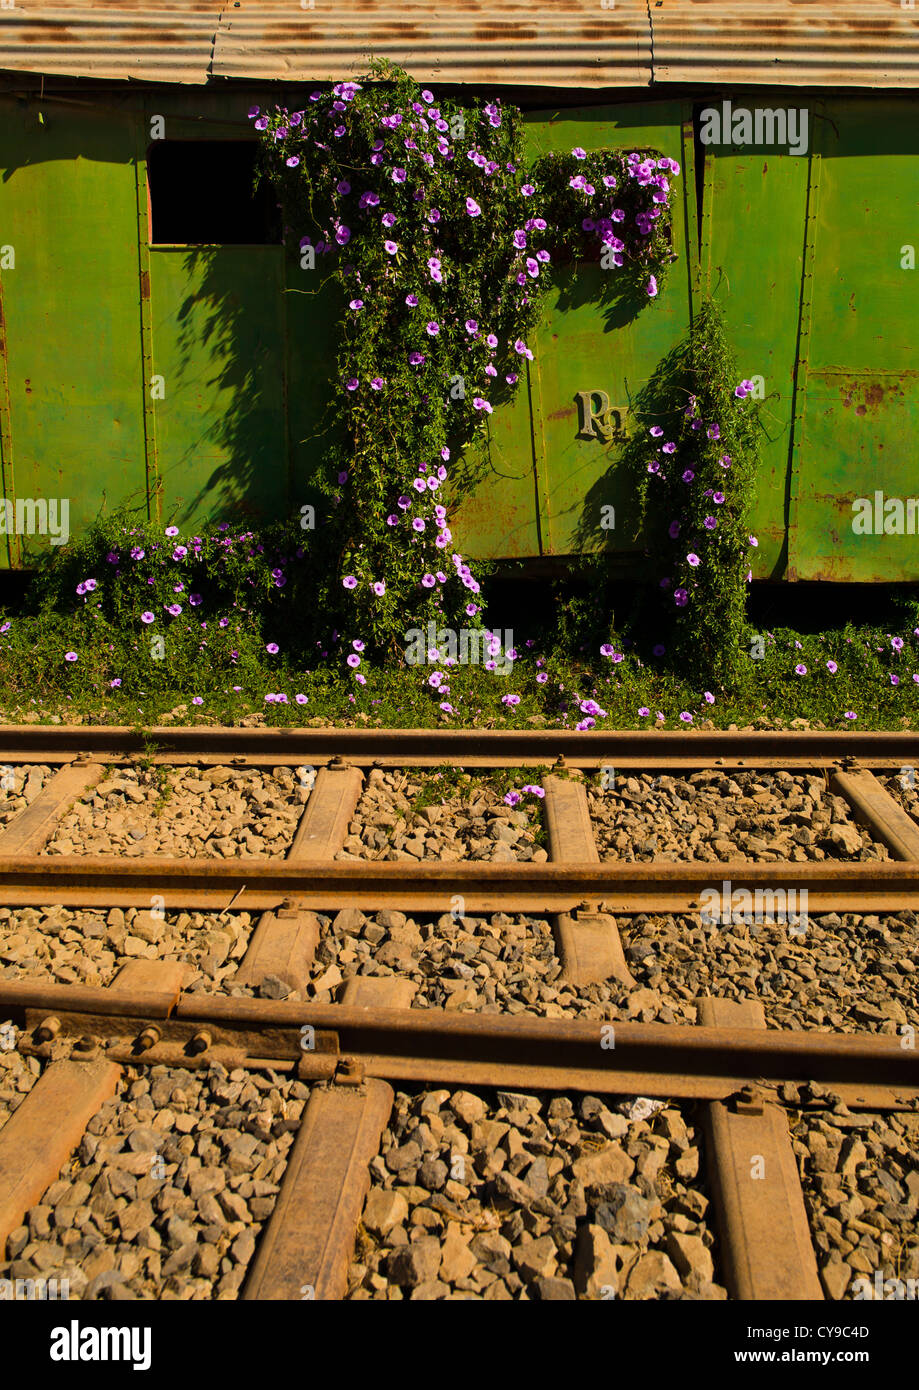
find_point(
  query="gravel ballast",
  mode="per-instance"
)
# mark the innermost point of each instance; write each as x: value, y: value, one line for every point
x: 185, y: 813
x: 169, y: 1189
x: 28, y: 780
x: 860, y: 1176
x: 505, y: 1196
x: 471, y: 823
x: 18, y: 1074
x: 719, y: 816
x: 835, y: 973
x: 88, y: 947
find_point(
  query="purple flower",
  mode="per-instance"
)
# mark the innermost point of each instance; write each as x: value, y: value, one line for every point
x: 850, y: 714
x: 379, y: 588
x: 415, y: 359
x: 686, y: 717
x: 174, y: 608
x: 137, y: 553
x: 432, y: 328
x: 897, y: 643
x: 692, y: 559
x: 832, y: 667
x: 390, y: 247
x: 293, y: 161
x: 179, y: 553
x: 710, y: 523
x: 651, y: 291
x: 579, y: 153
x: 418, y: 524
x: 356, y: 304
x: 801, y: 670
x: 343, y: 235
x: 680, y: 597
x: 147, y: 618
x: 70, y: 656
x: 688, y: 475
x: 272, y: 648
x: 655, y: 431
x: 195, y: 600
x: 354, y: 660
x: 377, y: 383
x: 472, y: 207
x: 301, y: 699
x: 115, y: 683
x: 471, y: 326
x: 352, y: 383
x: 428, y: 581
x: 349, y: 582
x: 398, y: 176
x: 172, y: 530
x: 411, y: 300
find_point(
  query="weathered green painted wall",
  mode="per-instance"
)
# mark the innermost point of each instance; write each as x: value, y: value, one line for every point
x: 545, y: 486
x: 192, y: 380
x: 71, y: 305
x: 805, y: 254
x: 860, y: 381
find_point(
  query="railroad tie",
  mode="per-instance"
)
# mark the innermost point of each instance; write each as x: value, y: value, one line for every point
x: 43, y: 1132
x: 307, y: 1247
x: 765, y: 1233
x: 284, y: 943
x: 874, y: 807
x: 588, y: 945
x: 31, y: 829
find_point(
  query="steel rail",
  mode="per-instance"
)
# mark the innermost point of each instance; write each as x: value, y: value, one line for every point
x: 431, y: 1046
x: 267, y: 883
x: 648, y: 748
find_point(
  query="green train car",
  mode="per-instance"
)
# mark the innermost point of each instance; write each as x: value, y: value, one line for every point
x: 159, y: 346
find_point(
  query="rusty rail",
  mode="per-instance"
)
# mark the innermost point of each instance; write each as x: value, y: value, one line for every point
x: 268, y: 883
x: 647, y: 748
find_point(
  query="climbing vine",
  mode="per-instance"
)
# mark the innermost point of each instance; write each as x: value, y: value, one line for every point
x: 442, y: 243
x: 694, y: 460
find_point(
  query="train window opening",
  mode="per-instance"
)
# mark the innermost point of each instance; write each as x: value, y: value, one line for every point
x: 202, y: 194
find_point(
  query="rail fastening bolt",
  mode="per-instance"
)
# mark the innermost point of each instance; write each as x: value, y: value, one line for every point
x: 200, y: 1042
x: 148, y: 1038
x: 48, y: 1029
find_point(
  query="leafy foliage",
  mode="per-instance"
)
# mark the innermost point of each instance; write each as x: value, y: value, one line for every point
x: 439, y: 240
x: 694, y: 463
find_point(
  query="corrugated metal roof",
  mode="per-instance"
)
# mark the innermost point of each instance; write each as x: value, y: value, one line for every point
x: 557, y: 44
x: 792, y: 42
x: 551, y: 43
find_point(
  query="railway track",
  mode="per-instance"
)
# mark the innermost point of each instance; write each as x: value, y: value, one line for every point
x: 333, y: 1089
